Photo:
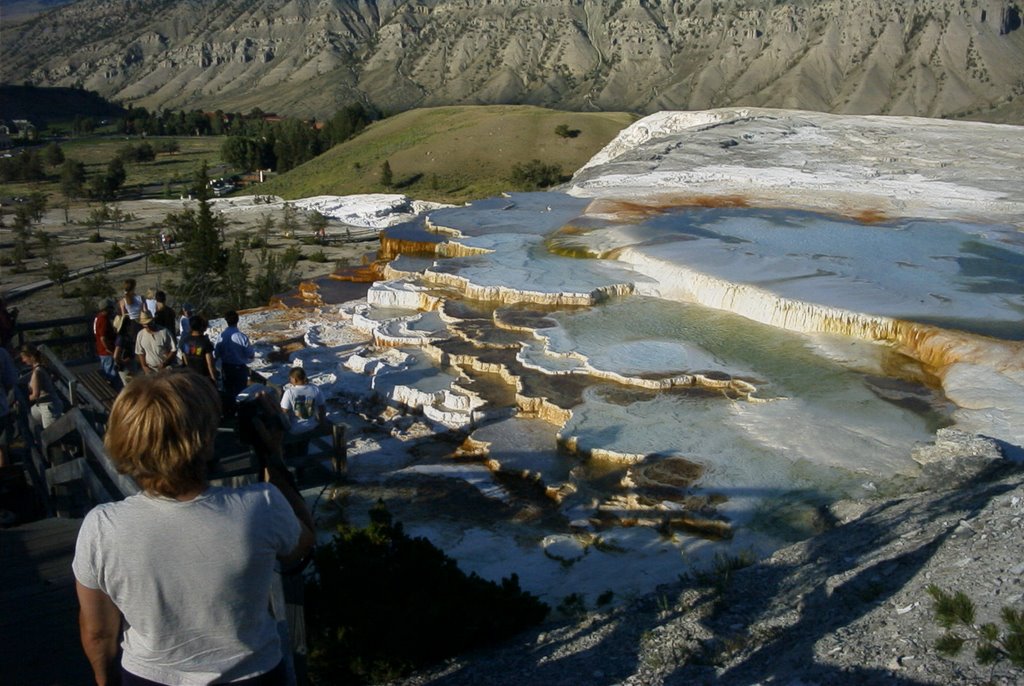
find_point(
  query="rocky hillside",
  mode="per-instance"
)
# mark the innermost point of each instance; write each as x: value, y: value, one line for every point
x: 948, y: 58
x: 849, y: 606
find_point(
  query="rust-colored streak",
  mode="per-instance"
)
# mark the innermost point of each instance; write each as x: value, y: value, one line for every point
x: 364, y: 273
x: 869, y: 216
x: 637, y: 211
x: 390, y: 248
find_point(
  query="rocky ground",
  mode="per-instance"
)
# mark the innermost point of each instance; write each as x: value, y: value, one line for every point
x: 849, y: 606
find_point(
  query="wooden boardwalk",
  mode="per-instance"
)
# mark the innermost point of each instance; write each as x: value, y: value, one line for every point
x: 38, y: 609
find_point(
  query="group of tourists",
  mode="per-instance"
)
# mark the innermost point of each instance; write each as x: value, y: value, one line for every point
x: 144, y: 620
x: 138, y: 336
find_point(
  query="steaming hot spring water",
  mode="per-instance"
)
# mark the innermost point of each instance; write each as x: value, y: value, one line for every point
x: 607, y: 401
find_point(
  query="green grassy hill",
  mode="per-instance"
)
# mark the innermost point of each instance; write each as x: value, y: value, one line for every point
x: 451, y: 154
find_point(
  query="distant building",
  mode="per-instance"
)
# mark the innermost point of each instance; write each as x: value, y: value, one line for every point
x: 26, y: 130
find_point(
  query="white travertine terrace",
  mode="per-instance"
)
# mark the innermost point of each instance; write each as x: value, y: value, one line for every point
x: 899, y: 166
x: 700, y: 262
x: 893, y: 167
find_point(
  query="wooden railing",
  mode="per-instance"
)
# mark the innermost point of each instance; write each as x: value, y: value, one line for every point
x: 79, y: 432
x: 69, y: 462
x: 81, y: 343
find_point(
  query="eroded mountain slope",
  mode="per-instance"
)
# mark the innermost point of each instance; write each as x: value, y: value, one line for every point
x: 932, y: 58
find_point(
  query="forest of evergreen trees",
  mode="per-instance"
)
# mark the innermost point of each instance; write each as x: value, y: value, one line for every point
x: 256, y: 140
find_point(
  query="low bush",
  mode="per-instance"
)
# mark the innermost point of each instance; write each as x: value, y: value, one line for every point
x: 113, y: 252
x: 535, y: 174
x: 291, y: 255
x: 955, y: 612
x: 163, y: 259
x: 382, y: 604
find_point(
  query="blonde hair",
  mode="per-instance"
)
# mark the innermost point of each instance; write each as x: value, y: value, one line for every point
x: 161, y: 431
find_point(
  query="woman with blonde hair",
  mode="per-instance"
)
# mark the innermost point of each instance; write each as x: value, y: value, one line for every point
x: 188, y: 566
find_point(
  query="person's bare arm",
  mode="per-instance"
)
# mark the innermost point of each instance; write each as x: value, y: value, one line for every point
x: 99, y: 622
x: 267, y: 447
x: 33, y: 386
x: 306, y: 536
x: 211, y: 365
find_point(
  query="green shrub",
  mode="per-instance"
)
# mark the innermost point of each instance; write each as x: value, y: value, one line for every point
x: 290, y: 256
x: 113, y: 252
x: 95, y: 237
x: 162, y: 259
x: 382, y: 604
x: 535, y: 174
x: 572, y: 605
x: 319, y: 257
x: 992, y: 644
x: 724, y: 567
x: 563, y: 131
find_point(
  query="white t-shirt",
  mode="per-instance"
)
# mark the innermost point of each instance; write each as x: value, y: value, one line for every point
x: 192, y: 579
x: 132, y: 306
x: 301, y: 404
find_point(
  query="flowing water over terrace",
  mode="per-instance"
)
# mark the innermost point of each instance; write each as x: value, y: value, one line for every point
x: 625, y: 423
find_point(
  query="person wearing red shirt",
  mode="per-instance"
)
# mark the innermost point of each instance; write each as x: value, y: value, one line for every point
x: 103, y: 332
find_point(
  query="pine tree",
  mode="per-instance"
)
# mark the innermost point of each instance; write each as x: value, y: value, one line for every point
x: 202, y: 257
x: 236, y: 279
x: 72, y: 181
x: 386, y: 177
x: 318, y: 225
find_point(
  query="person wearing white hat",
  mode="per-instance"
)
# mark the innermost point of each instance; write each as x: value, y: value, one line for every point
x: 154, y: 346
